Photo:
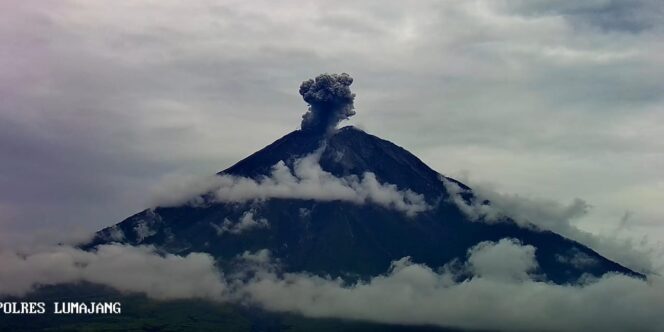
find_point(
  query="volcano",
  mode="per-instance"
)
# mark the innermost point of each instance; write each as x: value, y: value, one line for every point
x: 388, y: 205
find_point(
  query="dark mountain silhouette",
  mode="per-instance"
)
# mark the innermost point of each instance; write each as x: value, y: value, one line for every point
x: 339, y: 238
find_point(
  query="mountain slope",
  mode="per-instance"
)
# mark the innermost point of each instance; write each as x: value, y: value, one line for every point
x: 344, y: 238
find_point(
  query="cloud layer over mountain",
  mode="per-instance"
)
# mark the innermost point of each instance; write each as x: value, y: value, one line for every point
x: 556, y: 98
x: 505, y: 292
x: 307, y: 180
x: 100, y: 99
x: 126, y: 268
x: 551, y: 215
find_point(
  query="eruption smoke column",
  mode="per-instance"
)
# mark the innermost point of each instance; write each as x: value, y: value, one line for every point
x: 330, y: 101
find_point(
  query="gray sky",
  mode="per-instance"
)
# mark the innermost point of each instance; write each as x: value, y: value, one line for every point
x: 100, y: 101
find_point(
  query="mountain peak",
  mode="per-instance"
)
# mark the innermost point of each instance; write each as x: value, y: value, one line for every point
x: 339, y: 202
x: 346, y: 152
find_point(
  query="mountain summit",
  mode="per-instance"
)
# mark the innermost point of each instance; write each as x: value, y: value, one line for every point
x: 339, y: 202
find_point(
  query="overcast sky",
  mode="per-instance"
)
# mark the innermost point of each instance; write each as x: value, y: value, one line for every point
x: 100, y: 101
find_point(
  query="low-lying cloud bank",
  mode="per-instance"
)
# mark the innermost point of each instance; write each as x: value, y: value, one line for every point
x: 307, y: 180
x: 548, y: 215
x: 126, y: 268
x: 506, y: 292
x: 497, y: 298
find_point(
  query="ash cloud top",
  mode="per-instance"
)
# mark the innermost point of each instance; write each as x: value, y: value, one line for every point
x: 330, y: 101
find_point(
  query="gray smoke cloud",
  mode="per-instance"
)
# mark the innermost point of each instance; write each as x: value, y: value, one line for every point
x: 330, y: 101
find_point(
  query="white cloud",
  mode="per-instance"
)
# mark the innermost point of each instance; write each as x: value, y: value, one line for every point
x: 126, y: 268
x: 551, y: 215
x: 177, y: 189
x: 526, y: 211
x: 504, y: 297
x: 260, y: 257
x: 501, y: 298
x: 515, y: 91
x: 143, y: 231
x: 246, y: 223
x: 116, y: 234
x: 144, y: 227
x: 506, y: 259
x: 578, y: 259
x: 524, y: 96
x: 307, y: 180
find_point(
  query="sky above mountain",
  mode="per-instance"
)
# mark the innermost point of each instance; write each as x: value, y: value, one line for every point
x: 542, y: 100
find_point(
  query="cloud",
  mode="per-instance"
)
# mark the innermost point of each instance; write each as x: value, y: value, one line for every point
x: 491, y: 206
x: 143, y: 227
x: 499, y: 298
x: 609, y: 15
x: 246, y: 223
x: 330, y: 101
x: 307, y: 180
x: 534, y: 99
x: 123, y: 267
x: 578, y: 259
x: 502, y: 291
x: 98, y: 103
x: 116, y: 234
x: 506, y: 259
x: 176, y: 189
x: 260, y: 257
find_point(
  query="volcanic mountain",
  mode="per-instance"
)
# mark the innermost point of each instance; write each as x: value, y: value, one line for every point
x: 340, y: 202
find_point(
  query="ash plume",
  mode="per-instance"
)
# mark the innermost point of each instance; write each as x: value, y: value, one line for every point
x: 330, y: 101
